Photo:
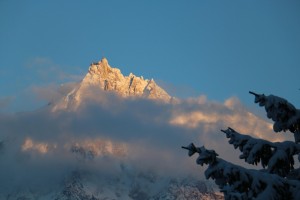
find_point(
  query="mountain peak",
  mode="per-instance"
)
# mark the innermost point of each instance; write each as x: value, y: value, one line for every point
x: 101, y: 75
x: 104, y: 61
x: 102, y: 67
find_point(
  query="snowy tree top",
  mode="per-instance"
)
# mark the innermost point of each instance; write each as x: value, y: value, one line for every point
x: 284, y: 114
x: 240, y: 183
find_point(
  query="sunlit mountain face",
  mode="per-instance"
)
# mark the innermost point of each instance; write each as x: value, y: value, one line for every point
x: 102, y: 77
x: 117, y: 137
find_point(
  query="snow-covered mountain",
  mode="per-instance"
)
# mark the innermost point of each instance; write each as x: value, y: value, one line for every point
x: 102, y: 77
x: 82, y: 185
x: 89, y: 153
x: 136, y: 186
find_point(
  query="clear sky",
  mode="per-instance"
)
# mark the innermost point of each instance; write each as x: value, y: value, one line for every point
x: 216, y: 48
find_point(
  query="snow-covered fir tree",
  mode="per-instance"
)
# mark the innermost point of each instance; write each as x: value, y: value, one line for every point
x: 279, y: 179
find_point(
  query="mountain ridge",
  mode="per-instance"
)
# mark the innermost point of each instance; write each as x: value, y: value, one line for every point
x: 101, y: 76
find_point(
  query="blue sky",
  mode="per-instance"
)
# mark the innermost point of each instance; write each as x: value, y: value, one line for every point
x: 216, y: 48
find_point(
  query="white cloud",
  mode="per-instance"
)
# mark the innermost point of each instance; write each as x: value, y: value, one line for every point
x: 40, y: 147
x: 212, y: 115
x: 138, y: 132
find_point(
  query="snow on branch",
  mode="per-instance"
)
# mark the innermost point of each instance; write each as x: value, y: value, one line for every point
x: 205, y: 156
x: 277, y: 157
x: 284, y: 114
x: 239, y: 183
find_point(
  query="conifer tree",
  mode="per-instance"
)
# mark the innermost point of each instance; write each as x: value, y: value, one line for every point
x: 278, y: 178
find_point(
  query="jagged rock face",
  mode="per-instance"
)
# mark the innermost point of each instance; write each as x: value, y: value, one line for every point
x: 75, y: 190
x: 101, y: 75
x: 188, y: 189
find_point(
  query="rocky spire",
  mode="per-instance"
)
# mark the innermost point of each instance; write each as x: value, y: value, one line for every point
x: 101, y: 75
x: 102, y: 68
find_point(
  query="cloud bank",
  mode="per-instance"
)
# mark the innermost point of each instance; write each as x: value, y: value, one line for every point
x: 107, y: 132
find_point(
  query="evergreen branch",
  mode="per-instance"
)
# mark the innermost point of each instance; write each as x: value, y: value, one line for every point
x: 240, y: 183
x: 278, y: 156
x: 283, y: 113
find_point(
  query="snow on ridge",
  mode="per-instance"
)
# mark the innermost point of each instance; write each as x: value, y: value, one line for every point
x: 101, y: 76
